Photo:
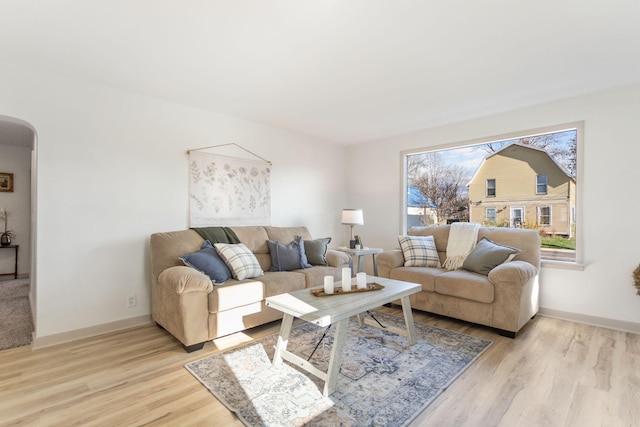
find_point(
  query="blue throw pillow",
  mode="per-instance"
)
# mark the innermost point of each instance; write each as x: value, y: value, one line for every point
x: 288, y: 257
x: 209, y: 262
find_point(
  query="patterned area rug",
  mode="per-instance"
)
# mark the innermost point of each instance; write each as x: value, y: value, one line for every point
x: 383, y: 381
x: 16, y: 324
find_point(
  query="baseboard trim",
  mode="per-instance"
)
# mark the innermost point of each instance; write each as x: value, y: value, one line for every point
x: 602, y: 322
x: 92, y: 331
x: 132, y: 322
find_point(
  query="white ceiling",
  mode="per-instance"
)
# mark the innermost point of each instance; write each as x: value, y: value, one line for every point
x: 341, y: 70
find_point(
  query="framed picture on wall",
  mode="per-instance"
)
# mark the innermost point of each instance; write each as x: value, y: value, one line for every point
x: 6, y: 182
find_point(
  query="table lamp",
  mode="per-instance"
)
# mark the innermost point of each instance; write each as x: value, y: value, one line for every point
x: 352, y: 217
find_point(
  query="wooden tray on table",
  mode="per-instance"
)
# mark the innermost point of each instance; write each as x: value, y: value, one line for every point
x: 319, y: 292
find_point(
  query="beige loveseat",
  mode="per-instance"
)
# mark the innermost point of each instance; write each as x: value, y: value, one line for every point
x: 505, y: 299
x: 188, y: 305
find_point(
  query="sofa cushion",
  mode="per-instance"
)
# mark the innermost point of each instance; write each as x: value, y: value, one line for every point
x: 254, y: 237
x: 315, y: 275
x: 419, y: 251
x: 426, y: 276
x: 337, y: 258
x: 209, y: 262
x: 240, y: 260
x: 463, y: 284
x: 236, y: 294
x: 288, y: 257
x: 287, y: 234
x: 487, y: 255
x: 316, y: 250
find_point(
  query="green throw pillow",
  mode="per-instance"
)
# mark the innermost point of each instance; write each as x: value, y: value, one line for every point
x: 486, y: 256
x: 316, y: 250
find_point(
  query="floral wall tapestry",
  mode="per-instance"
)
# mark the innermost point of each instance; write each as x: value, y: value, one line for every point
x: 228, y: 191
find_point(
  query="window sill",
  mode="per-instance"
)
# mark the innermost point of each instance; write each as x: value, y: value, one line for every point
x: 563, y: 265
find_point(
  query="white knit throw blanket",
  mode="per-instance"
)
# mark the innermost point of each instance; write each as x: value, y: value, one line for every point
x: 462, y: 239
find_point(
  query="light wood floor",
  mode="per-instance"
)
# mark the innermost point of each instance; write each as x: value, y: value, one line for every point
x: 555, y: 373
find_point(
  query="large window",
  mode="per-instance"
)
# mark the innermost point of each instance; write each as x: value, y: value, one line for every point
x: 460, y: 183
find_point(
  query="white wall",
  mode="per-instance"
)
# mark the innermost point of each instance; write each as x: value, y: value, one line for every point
x: 611, y: 231
x: 16, y: 160
x: 112, y: 169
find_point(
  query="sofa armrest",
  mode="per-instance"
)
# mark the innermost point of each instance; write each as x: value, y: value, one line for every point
x: 516, y: 293
x: 513, y: 272
x: 180, y: 304
x: 337, y: 258
x: 182, y: 279
x: 389, y: 260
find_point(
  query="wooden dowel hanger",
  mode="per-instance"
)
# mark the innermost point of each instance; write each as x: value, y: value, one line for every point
x: 231, y: 143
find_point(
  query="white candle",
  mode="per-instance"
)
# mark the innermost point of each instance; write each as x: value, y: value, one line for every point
x: 328, y: 284
x: 346, y: 279
x: 361, y: 279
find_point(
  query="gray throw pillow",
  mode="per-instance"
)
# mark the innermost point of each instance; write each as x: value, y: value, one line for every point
x: 287, y: 257
x: 486, y: 256
x: 207, y: 261
x: 316, y: 250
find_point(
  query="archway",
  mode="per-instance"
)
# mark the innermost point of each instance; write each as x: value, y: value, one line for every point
x: 18, y: 141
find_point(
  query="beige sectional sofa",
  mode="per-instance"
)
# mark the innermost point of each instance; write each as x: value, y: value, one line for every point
x: 505, y: 299
x: 193, y: 309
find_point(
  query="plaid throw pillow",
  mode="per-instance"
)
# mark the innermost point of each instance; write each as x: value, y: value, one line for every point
x: 240, y: 260
x: 419, y: 251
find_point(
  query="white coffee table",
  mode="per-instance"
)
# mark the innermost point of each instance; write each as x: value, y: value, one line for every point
x: 325, y: 310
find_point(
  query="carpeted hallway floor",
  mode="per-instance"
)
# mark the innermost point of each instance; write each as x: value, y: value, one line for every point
x: 16, y: 322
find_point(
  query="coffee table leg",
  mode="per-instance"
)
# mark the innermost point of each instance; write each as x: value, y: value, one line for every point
x: 408, y: 319
x: 283, y: 338
x: 336, y: 357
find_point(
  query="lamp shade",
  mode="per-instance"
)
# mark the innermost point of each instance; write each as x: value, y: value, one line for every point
x: 352, y: 217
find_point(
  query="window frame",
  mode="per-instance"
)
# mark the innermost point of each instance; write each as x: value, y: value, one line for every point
x: 491, y: 188
x: 512, y: 218
x: 539, y: 215
x: 486, y: 215
x: 578, y: 126
x: 546, y: 184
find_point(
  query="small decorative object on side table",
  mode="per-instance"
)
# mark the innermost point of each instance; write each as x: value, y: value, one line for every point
x: 359, y: 253
x: 5, y: 237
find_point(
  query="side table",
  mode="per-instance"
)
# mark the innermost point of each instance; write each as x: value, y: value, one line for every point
x: 359, y: 254
x: 15, y: 268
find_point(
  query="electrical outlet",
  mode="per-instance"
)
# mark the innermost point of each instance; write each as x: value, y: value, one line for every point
x: 132, y: 301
